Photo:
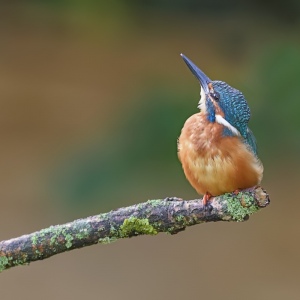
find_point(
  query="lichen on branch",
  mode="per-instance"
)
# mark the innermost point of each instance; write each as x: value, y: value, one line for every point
x: 170, y: 215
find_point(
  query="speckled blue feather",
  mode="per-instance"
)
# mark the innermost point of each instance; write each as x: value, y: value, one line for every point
x: 236, y: 111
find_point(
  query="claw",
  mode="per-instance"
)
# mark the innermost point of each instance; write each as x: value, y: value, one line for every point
x: 236, y: 191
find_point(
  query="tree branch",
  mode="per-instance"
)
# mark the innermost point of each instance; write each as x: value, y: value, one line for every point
x: 170, y: 215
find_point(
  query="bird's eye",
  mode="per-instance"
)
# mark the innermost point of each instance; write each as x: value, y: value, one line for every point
x: 215, y: 95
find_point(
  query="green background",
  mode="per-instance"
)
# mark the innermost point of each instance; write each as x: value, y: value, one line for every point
x: 93, y: 96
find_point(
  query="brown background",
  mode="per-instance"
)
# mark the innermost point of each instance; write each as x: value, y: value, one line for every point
x: 92, y: 100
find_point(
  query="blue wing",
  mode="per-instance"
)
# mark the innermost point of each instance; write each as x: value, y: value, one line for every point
x: 251, y: 141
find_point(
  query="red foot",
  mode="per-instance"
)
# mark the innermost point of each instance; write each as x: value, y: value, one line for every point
x: 206, y: 198
x: 236, y: 191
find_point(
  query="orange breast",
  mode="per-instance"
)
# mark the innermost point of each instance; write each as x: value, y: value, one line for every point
x: 213, y: 163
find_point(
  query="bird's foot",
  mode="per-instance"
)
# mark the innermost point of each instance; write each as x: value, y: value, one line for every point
x: 173, y: 199
x: 235, y: 192
x: 206, y: 198
x: 206, y: 201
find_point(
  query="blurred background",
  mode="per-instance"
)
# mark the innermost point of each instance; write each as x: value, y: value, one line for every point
x: 93, y: 95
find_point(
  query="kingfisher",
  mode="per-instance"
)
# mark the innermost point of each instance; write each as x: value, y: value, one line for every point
x: 216, y: 147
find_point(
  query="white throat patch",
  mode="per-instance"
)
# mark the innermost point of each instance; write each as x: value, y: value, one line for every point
x: 202, y: 100
x: 221, y: 120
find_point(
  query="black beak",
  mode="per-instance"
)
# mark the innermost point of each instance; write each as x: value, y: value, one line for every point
x: 204, y: 80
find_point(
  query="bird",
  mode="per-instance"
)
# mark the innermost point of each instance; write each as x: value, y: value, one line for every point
x: 216, y: 148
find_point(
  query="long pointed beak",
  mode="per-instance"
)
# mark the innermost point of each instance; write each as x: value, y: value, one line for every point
x: 204, y: 80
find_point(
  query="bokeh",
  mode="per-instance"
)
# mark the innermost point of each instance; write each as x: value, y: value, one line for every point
x: 93, y: 96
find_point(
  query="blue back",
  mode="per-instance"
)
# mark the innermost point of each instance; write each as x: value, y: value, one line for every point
x: 236, y: 111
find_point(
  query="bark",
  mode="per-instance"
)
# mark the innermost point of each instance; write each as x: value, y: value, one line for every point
x: 170, y: 215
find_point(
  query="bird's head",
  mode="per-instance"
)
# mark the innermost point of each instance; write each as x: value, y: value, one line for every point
x: 221, y: 102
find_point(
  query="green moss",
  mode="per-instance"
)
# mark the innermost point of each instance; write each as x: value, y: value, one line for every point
x: 241, y: 206
x: 136, y: 226
x: 38, y: 253
x: 104, y: 217
x: 101, y: 228
x: 170, y: 230
x: 6, y: 262
x: 82, y: 234
x: 55, y: 233
x: 107, y: 240
x: 34, y: 240
x: 157, y: 224
x: 180, y: 218
x: 53, y: 240
x: 113, y: 230
x: 3, y: 263
x: 155, y: 203
x: 69, y: 240
x: 19, y: 263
